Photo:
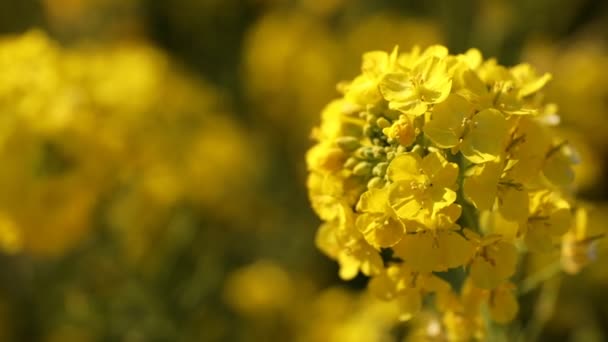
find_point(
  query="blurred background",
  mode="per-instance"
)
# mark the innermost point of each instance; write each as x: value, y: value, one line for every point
x: 152, y: 176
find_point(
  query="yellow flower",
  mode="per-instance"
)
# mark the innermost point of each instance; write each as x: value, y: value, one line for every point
x: 489, y: 85
x: 340, y: 240
x: 510, y: 89
x: 536, y: 150
x: 434, y: 251
x: 422, y: 186
x: 379, y: 222
x: 503, y: 304
x: 488, y: 160
x: 260, y: 288
x: 407, y: 287
x: 412, y: 91
x: 402, y: 131
x: 494, y: 262
x: 363, y: 90
x: 550, y: 217
x: 326, y: 158
x: 479, y: 135
x: 557, y: 167
x: 526, y: 81
x: 358, y: 256
x: 488, y: 185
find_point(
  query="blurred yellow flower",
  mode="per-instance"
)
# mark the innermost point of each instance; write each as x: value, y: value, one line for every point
x: 84, y: 122
x: 259, y: 288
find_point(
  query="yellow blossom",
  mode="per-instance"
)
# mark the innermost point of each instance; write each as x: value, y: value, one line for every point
x: 412, y: 91
x: 422, y: 186
x: 494, y: 262
x: 379, y: 222
x: 402, y: 131
x: 550, y: 217
x: 339, y: 240
x: 503, y: 304
x: 489, y: 185
x: 407, y: 287
x: 434, y: 251
x: 363, y: 90
x: 456, y: 124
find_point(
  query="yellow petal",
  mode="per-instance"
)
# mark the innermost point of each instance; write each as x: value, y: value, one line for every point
x: 495, y: 223
x: 558, y: 169
x: 485, y: 140
x: 503, y: 305
x: 438, y: 51
x: 397, y: 87
x: 359, y: 256
x: 456, y: 250
x: 370, y: 260
x: 560, y: 220
x: 426, y: 252
x: 499, y: 263
x: 538, y: 239
x: 514, y: 204
x: 406, y: 167
x: 440, y: 172
x: 436, y: 81
x: 414, y: 107
x: 528, y: 81
x: 441, y: 198
x: 447, y: 216
x: 482, y: 273
x: 349, y: 266
x: 481, y: 185
x: 325, y: 239
x: 473, y: 89
x: 419, y: 251
x: 446, y: 125
x: 504, y: 255
x: 363, y: 90
x: 380, y: 231
x: 374, y: 201
x: 375, y: 63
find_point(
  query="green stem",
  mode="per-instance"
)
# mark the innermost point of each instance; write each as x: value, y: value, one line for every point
x: 469, y: 217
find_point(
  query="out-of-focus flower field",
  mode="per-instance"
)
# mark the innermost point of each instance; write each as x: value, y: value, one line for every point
x: 153, y: 173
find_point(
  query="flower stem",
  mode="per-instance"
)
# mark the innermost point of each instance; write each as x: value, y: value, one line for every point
x: 469, y: 217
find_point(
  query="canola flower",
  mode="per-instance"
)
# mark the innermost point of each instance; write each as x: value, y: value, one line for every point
x: 435, y: 174
x: 109, y: 135
x: 112, y: 179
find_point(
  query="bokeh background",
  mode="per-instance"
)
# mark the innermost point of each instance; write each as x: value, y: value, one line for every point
x: 152, y: 176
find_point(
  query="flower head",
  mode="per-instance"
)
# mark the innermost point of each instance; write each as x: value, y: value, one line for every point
x: 435, y: 164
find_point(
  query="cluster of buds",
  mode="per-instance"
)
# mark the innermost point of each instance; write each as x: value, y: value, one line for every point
x: 435, y: 174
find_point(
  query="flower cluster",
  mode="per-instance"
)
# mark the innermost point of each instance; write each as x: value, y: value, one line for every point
x: 110, y: 133
x: 434, y: 174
